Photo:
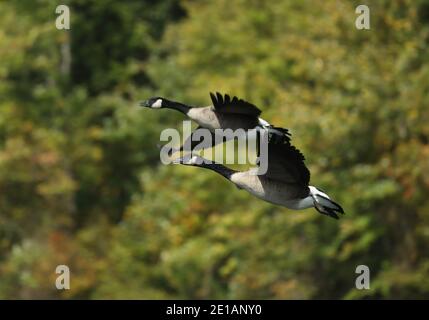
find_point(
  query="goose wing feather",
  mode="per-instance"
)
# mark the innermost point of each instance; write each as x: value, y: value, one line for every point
x: 224, y: 104
x: 286, y: 164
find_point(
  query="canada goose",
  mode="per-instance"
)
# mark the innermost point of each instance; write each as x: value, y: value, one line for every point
x: 285, y: 183
x: 225, y: 113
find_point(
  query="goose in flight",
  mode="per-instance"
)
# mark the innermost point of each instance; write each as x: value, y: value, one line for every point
x: 286, y: 182
x: 225, y: 113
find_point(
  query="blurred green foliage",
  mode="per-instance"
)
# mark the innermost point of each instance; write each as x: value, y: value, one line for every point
x: 81, y: 183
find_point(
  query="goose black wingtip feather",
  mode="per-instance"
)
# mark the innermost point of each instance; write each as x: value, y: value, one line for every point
x: 340, y: 209
x: 283, y: 130
x: 226, y: 104
x: 329, y: 213
x: 333, y: 215
x: 227, y: 99
x: 275, y: 138
x: 219, y: 98
x: 213, y: 97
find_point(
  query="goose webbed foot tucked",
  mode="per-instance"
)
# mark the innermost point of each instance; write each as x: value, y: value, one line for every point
x: 328, y: 207
x: 328, y: 212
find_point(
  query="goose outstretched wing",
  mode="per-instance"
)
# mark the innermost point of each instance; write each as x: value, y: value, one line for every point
x: 286, y: 164
x: 224, y: 104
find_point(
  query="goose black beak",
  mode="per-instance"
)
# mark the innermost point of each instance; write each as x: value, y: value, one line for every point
x: 190, y: 160
x: 145, y: 103
x: 178, y: 161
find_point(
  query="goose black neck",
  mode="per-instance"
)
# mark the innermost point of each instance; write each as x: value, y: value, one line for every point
x: 218, y: 168
x: 183, y: 108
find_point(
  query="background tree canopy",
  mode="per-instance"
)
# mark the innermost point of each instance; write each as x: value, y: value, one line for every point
x: 81, y: 183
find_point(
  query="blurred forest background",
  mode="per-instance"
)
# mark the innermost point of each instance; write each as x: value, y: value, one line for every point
x: 81, y: 183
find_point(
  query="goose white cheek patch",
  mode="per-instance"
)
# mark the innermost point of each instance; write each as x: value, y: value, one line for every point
x: 157, y: 104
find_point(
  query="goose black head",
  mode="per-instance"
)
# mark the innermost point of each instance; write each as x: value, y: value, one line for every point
x: 154, y: 103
